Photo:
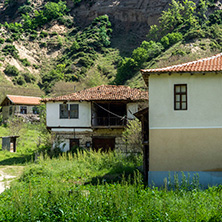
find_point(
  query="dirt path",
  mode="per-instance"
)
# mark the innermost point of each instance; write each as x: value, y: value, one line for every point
x: 7, y: 174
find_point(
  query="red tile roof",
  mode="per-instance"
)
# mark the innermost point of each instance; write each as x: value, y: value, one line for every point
x: 103, y: 93
x: 210, y: 64
x: 26, y: 100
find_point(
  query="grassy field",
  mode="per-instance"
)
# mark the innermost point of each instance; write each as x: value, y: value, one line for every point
x: 90, y: 186
x: 27, y: 143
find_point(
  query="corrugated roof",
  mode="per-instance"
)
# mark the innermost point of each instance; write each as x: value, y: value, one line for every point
x: 103, y: 93
x: 26, y: 100
x: 210, y: 64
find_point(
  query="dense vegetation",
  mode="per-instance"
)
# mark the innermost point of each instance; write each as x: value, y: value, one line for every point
x: 81, y: 49
x: 183, y: 21
x: 93, y: 187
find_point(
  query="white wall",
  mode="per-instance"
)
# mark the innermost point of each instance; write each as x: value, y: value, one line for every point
x: 131, y: 108
x: 53, y: 120
x: 204, y: 94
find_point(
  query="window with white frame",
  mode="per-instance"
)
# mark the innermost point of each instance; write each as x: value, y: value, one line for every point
x: 69, y: 111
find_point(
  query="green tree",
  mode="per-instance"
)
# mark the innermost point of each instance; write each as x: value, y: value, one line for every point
x: 132, y: 136
x: 125, y: 70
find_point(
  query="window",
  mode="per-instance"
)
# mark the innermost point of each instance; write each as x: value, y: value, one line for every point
x: 180, y: 97
x: 35, y: 110
x: 69, y: 111
x: 23, y: 109
x: 10, y: 110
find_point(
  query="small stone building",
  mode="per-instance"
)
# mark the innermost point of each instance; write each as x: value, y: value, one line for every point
x: 25, y: 106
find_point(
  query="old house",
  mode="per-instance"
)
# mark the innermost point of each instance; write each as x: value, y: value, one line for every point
x: 25, y: 106
x: 94, y: 117
x: 185, y: 120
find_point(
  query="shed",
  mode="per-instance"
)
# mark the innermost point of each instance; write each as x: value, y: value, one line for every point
x: 9, y: 143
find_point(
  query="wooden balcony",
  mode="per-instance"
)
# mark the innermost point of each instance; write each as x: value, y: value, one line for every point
x: 111, y: 122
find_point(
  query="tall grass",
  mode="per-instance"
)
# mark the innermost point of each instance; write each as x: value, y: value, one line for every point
x: 62, y: 189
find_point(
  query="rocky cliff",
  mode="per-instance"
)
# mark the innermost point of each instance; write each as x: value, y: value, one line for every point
x: 125, y: 15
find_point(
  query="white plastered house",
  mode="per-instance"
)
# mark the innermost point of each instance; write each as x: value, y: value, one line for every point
x: 185, y: 120
x: 94, y: 117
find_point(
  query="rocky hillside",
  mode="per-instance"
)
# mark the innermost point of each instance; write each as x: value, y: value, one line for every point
x: 53, y: 46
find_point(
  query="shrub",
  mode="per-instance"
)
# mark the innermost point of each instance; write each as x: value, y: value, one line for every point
x: 2, y: 40
x: 15, y: 36
x: 9, y: 40
x: 10, y: 50
x: 19, y: 80
x: 33, y: 36
x: 35, y: 66
x: 28, y: 77
x: 24, y: 9
x: 179, y: 52
x: 86, y: 62
x: 43, y: 34
x: 25, y: 62
x: 126, y: 69
x: 216, y: 17
x: 11, y: 70
x: 194, y: 34
x: 170, y: 39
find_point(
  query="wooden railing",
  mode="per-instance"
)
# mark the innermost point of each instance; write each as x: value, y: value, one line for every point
x: 108, y: 121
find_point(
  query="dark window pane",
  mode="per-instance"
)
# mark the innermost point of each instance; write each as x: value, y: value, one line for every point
x: 35, y: 110
x: 74, y: 111
x: 23, y: 110
x: 64, y: 111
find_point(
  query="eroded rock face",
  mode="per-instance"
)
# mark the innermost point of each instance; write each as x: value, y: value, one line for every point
x: 125, y: 15
x: 124, y: 11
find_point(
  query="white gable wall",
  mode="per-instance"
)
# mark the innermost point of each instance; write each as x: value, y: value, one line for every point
x: 53, y: 119
x: 204, y: 93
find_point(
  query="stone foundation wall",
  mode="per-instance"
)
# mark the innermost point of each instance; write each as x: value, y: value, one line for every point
x: 62, y: 138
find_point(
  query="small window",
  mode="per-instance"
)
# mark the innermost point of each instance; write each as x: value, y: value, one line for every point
x: 64, y: 111
x: 23, y: 109
x: 180, y: 97
x: 69, y: 111
x: 35, y: 110
x: 10, y: 110
x: 74, y: 111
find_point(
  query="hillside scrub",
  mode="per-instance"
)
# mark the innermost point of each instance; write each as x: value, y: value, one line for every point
x: 59, y: 189
x: 183, y: 21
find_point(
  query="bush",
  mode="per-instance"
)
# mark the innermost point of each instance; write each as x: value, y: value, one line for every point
x: 2, y: 40
x: 24, y: 9
x: 11, y: 70
x: 15, y: 36
x: 25, y: 62
x: 86, y: 62
x: 33, y: 36
x: 29, y: 78
x: 43, y: 34
x: 9, y: 40
x: 194, y: 34
x: 125, y: 70
x: 216, y: 17
x: 178, y: 52
x: 10, y: 50
x: 170, y: 39
x: 19, y: 80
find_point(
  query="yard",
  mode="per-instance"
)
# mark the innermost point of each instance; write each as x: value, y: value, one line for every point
x: 90, y: 186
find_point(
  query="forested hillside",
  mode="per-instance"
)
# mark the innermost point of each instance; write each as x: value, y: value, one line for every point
x: 50, y: 47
